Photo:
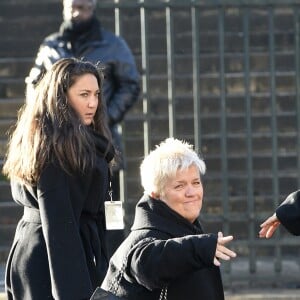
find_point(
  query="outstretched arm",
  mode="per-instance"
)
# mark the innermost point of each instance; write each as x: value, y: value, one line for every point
x: 154, y: 261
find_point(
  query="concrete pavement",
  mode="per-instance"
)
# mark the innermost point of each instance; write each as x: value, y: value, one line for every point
x: 264, y: 294
x: 268, y: 294
x: 235, y: 293
x: 250, y: 295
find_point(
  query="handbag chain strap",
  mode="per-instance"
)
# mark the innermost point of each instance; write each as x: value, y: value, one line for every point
x: 116, y: 282
x: 163, y: 294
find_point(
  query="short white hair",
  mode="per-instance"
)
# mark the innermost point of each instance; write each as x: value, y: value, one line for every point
x: 163, y: 162
x: 94, y: 2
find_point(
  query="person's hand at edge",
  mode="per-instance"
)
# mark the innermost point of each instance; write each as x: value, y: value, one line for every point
x: 269, y: 226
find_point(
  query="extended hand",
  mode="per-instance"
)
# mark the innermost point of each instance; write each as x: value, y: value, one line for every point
x: 268, y: 227
x: 223, y: 252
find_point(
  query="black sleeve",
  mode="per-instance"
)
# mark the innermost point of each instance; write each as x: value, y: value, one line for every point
x: 49, y: 53
x: 127, y: 84
x: 67, y: 263
x: 39, y: 67
x: 154, y: 262
x: 288, y: 213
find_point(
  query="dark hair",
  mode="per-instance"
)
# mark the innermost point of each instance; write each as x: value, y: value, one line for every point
x: 49, y: 129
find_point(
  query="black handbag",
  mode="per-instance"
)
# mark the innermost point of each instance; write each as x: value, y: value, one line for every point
x: 103, y: 295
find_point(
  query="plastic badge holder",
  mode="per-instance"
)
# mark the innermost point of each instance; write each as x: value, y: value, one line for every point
x: 114, y: 215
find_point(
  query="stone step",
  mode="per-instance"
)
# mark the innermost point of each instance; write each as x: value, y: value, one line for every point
x: 5, y: 125
x: 13, y: 67
x: 263, y: 175
x: 234, y: 62
x: 211, y: 129
x: 9, y: 217
x: 5, y: 193
x: 10, y: 214
x: 37, y: 20
x: 210, y: 122
x: 49, y: 18
x: 9, y: 108
x: 210, y: 107
x: 12, y: 87
x: 209, y: 84
x: 3, y: 148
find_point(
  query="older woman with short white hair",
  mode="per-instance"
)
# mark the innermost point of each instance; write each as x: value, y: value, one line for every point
x: 167, y: 255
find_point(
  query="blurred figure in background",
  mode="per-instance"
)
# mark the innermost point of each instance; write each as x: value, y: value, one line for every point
x: 82, y: 36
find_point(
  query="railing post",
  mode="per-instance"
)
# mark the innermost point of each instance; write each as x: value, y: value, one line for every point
x: 170, y: 60
x: 248, y: 113
x: 145, y: 78
x: 274, y: 130
x: 223, y: 135
x: 196, y: 77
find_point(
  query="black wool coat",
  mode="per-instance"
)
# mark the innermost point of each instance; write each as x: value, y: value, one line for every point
x: 162, y: 251
x: 288, y: 213
x: 59, y: 249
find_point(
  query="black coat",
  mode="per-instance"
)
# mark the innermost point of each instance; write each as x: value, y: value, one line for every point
x: 164, y: 250
x: 59, y: 250
x: 121, y: 85
x: 288, y: 213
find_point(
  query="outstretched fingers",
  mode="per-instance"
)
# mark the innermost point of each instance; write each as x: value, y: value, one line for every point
x: 268, y: 230
x: 269, y: 227
x: 222, y: 252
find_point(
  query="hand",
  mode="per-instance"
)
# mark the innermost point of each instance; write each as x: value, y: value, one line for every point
x: 221, y: 251
x: 268, y: 227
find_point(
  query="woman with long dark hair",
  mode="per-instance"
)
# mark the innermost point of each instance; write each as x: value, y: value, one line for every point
x: 58, y: 161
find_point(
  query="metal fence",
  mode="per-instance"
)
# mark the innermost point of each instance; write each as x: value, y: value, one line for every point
x: 225, y: 76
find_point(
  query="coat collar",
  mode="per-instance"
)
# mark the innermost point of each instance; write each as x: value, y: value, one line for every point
x: 103, y: 147
x: 154, y: 214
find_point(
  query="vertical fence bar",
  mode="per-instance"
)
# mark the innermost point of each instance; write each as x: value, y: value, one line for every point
x: 117, y: 19
x: 170, y: 67
x: 224, y: 154
x: 121, y: 128
x: 145, y: 79
x: 297, y: 81
x: 275, y: 186
x: 297, y: 72
x: 250, y: 198
x: 196, y: 77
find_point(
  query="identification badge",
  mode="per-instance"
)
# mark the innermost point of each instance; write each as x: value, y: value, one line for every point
x: 114, y: 215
